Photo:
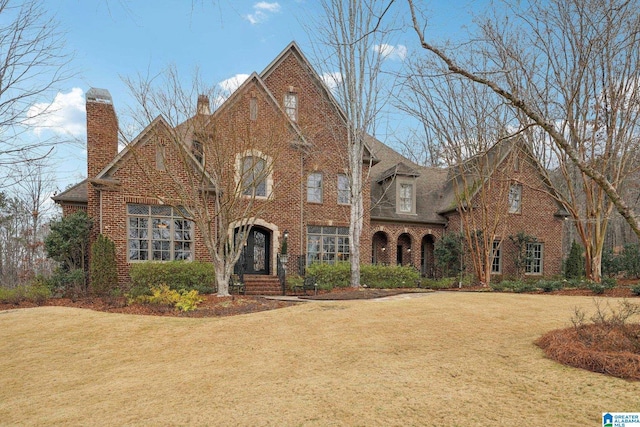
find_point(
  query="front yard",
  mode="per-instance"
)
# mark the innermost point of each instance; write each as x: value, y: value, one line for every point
x: 434, y: 359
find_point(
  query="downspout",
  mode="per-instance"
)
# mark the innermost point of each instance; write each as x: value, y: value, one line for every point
x: 302, y: 248
x: 100, y: 211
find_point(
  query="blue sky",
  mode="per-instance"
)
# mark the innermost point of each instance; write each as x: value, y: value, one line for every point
x: 112, y: 39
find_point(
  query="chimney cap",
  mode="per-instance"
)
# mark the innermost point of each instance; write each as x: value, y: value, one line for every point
x: 99, y: 95
x: 203, y: 105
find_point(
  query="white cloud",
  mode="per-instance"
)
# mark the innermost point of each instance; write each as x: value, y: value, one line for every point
x: 261, y: 11
x: 394, y: 53
x: 65, y: 115
x: 332, y: 79
x: 227, y: 87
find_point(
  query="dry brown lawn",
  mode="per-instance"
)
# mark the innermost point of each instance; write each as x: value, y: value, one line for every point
x: 443, y: 359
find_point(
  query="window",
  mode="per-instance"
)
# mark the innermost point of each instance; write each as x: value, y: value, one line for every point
x: 253, y: 109
x: 344, y: 190
x: 158, y: 233
x: 327, y: 244
x: 314, y: 188
x: 291, y: 105
x: 534, y: 258
x: 254, y: 179
x: 515, y: 198
x: 197, y: 151
x: 496, y: 261
x: 406, y: 197
x: 160, y: 154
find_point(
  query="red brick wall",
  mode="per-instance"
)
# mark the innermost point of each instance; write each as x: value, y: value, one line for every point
x: 535, y: 219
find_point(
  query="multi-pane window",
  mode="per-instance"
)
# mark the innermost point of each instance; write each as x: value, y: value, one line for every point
x: 343, y: 189
x: 496, y: 259
x: 515, y: 198
x: 314, y: 187
x: 254, y: 179
x: 327, y: 244
x: 158, y: 233
x: 534, y: 258
x: 160, y: 154
x: 291, y: 105
x: 406, y: 198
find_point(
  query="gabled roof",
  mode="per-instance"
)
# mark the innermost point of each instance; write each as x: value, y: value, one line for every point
x: 293, y: 49
x: 400, y: 169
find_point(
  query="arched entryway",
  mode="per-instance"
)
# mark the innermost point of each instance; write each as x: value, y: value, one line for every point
x: 256, y: 256
x: 380, y: 250
x: 427, y: 259
x: 403, y: 249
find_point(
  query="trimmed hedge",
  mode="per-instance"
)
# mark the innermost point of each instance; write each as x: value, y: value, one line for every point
x: 178, y: 275
x: 373, y: 276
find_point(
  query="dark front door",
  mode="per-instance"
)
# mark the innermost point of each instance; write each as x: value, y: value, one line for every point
x: 256, y: 253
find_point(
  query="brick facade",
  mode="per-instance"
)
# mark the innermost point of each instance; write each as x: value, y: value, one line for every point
x: 314, y: 142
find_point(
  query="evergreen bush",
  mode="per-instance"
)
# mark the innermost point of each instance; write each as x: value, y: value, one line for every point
x: 574, y: 264
x: 103, y: 273
x: 178, y: 275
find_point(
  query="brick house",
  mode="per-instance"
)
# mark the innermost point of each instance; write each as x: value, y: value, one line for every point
x: 408, y: 207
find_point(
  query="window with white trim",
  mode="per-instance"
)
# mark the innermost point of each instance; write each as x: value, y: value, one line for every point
x: 197, y: 150
x: 344, y: 190
x: 158, y: 233
x: 496, y: 258
x: 291, y: 105
x: 515, y: 198
x: 535, y: 253
x: 327, y: 244
x: 314, y: 187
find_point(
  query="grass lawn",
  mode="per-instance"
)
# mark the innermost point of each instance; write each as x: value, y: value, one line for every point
x: 444, y: 359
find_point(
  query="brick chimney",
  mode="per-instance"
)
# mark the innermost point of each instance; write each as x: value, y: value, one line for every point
x: 203, y: 105
x: 102, y: 131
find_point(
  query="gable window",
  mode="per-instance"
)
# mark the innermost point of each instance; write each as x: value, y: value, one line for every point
x: 515, y: 198
x: 314, y: 187
x: 496, y: 259
x: 534, y: 258
x: 343, y: 189
x: 160, y: 154
x: 327, y: 244
x: 253, y: 108
x: 197, y: 151
x: 158, y: 233
x: 254, y: 179
x: 291, y: 105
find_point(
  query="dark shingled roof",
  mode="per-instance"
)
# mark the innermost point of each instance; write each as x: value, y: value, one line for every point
x: 75, y: 194
x: 429, y: 184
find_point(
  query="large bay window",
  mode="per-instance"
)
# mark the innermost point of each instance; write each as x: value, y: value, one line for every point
x: 158, y: 233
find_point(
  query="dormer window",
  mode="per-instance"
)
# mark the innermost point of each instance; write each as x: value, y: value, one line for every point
x: 406, y: 196
x: 291, y: 105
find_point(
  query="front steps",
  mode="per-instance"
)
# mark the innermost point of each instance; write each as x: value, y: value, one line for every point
x: 262, y: 285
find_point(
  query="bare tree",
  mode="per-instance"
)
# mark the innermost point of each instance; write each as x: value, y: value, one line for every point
x: 216, y: 169
x: 353, y: 46
x: 33, y: 61
x: 570, y: 69
x: 463, y: 122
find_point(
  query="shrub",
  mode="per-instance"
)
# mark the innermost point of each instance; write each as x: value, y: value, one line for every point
x: 69, y: 284
x: 103, y: 272
x: 596, y: 288
x: 331, y: 276
x: 36, y: 292
x: 517, y: 286
x: 164, y: 296
x: 389, y: 277
x: 610, y: 263
x: 609, y: 282
x: 549, y: 285
x: 630, y: 260
x: 178, y: 275
x: 574, y: 265
x: 294, y: 280
x: 449, y: 252
x: 636, y: 290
